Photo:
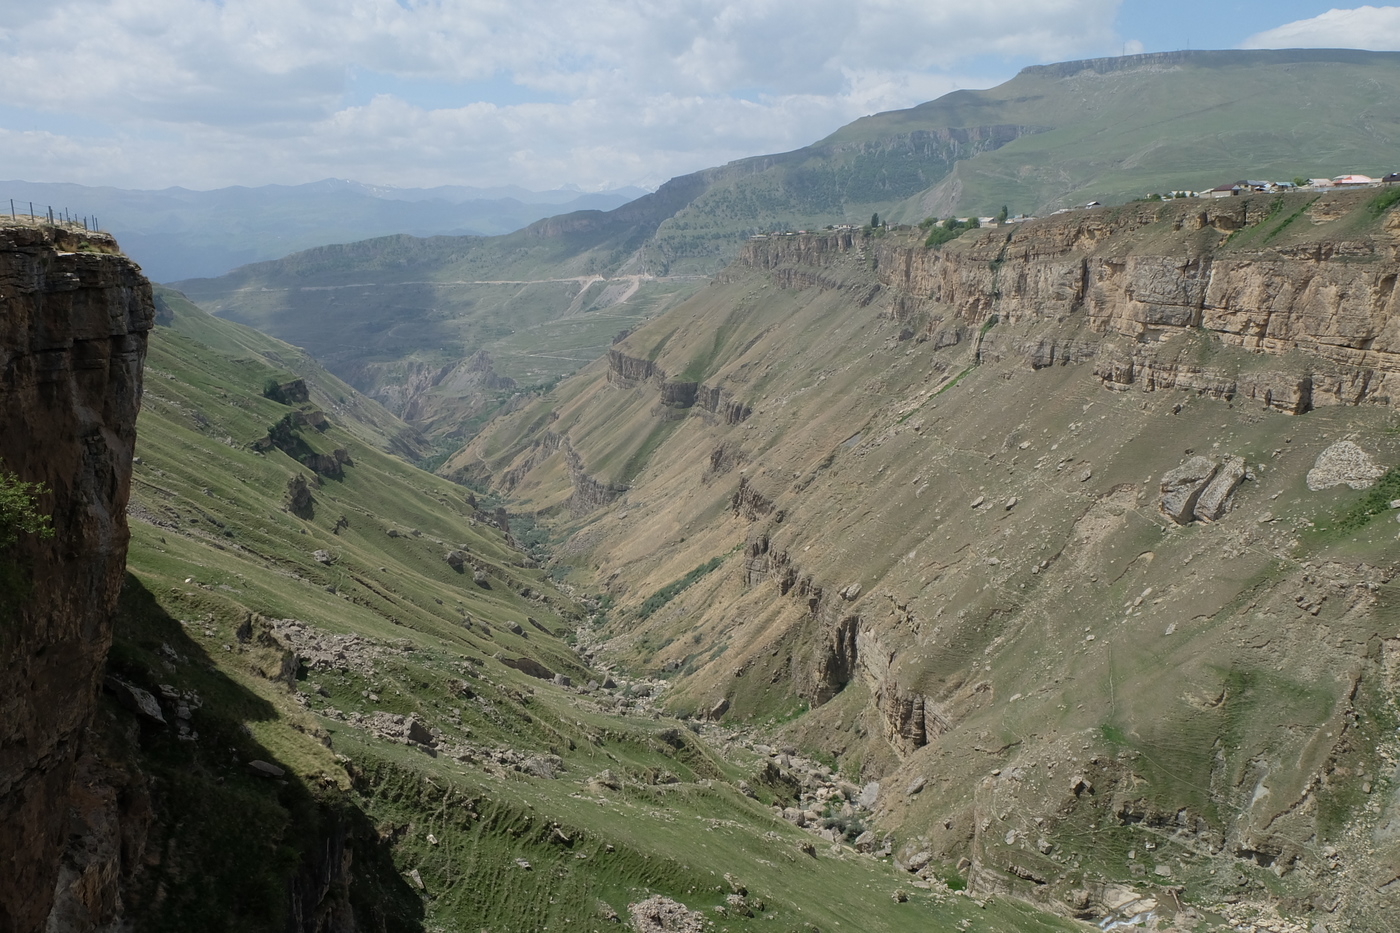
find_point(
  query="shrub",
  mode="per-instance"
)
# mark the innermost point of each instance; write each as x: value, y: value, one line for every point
x: 1384, y: 201
x: 19, y: 515
x: 950, y: 229
x: 18, y: 512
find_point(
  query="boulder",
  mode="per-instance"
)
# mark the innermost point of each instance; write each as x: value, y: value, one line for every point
x: 918, y: 861
x: 418, y: 732
x: 606, y: 778
x: 134, y: 698
x: 1181, y: 488
x: 1214, y: 500
x: 261, y: 768
x: 456, y: 560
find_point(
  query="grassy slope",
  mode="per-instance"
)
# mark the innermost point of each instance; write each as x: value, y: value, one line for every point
x: 1212, y: 118
x: 874, y: 451
x: 212, y: 543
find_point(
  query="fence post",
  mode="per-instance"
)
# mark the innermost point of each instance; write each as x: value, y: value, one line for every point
x: 12, y: 210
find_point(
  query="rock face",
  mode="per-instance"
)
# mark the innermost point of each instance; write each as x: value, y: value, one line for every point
x: 1335, y: 302
x: 72, y: 343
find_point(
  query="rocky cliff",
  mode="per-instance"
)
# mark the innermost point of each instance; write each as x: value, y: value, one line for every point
x: 1139, y: 275
x: 1046, y: 523
x: 72, y: 341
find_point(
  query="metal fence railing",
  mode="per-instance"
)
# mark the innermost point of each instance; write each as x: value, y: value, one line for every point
x: 51, y: 217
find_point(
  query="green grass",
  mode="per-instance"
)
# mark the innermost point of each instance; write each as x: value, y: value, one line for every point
x: 670, y: 591
x: 1367, y: 507
x: 1384, y: 201
x: 1287, y: 221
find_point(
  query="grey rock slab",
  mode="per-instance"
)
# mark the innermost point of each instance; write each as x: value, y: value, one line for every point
x: 135, y: 699
x: 1182, y: 487
x: 265, y: 769
x: 1214, y: 500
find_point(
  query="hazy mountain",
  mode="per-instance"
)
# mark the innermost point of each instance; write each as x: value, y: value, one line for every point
x: 176, y: 233
x: 406, y: 312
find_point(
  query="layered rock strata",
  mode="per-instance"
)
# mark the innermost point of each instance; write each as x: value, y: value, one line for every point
x: 1333, y: 303
x: 72, y: 343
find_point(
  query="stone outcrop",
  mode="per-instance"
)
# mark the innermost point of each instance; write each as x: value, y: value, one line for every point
x: 628, y: 371
x: 721, y: 402
x: 679, y: 394
x: 589, y: 493
x: 749, y: 502
x: 286, y: 436
x: 548, y: 443
x: 292, y: 392
x: 1200, y: 489
x: 72, y: 342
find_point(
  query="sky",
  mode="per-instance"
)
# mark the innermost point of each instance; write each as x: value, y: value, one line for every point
x: 595, y: 94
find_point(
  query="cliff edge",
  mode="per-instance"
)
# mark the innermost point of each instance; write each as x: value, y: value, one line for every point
x: 74, y: 315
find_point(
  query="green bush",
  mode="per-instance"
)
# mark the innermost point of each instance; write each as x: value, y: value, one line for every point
x: 19, y: 515
x: 671, y: 590
x: 1384, y: 201
x: 18, y: 512
x: 1374, y: 503
x: 950, y: 229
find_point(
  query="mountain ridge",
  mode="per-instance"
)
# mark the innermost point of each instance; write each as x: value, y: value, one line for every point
x: 1054, y: 136
x: 180, y: 233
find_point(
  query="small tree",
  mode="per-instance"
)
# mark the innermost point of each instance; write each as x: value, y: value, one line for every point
x: 875, y: 220
x: 18, y: 514
x: 1299, y: 181
x: 1003, y: 214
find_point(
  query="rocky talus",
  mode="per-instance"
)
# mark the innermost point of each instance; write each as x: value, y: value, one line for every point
x: 72, y: 341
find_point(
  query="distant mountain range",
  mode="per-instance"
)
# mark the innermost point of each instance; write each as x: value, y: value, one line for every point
x: 407, y: 311
x: 176, y: 233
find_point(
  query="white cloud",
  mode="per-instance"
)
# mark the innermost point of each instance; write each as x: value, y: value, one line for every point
x: 210, y: 92
x: 1367, y: 27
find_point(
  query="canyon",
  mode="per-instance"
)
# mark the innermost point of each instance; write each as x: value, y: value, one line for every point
x: 970, y: 538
